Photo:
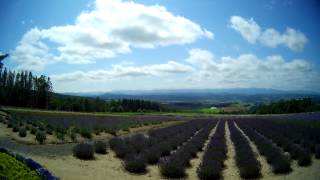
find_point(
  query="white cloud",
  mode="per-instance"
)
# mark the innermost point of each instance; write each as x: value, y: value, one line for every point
x: 248, y: 28
x: 120, y: 71
x: 200, y: 70
x: 112, y: 27
x: 251, y: 31
x: 248, y: 70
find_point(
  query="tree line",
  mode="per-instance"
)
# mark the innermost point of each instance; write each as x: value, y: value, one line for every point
x: 89, y: 104
x: 24, y: 89
x: 288, y: 106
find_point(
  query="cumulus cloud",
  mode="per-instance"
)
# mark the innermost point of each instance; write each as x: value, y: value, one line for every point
x: 251, y: 31
x: 120, y: 71
x: 248, y: 70
x: 201, y: 69
x: 113, y: 27
x: 248, y: 28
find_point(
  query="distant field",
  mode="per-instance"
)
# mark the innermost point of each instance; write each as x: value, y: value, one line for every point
x: 120, y: 114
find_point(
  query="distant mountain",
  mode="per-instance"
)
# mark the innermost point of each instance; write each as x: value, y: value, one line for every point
x: 85, y: 94
x: 212, y: 96
x: 205, y: 96
x: 244, y: 91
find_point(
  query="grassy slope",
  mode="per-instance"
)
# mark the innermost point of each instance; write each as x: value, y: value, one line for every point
x: 13, y: 169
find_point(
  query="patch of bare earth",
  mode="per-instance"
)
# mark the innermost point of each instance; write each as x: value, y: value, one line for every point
x: 103, y: 167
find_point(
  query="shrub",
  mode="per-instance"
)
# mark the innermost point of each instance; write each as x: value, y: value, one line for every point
x: 97, y: 131
x: 23, y: 132
x: 250, y: 171
x: 115, y: 142
x: 60, y: 136
x: 83, y: 151
x: 304, y: 159
x: 164, y: 149
x: 33, y: 130
x: 317, y: 151
x: 1, y: 119
x: 135, y: 165
x: 73, y: 136
x: 41, y: 137
x: 86, y: 133
x: 15, y: 128
x: 100, y: 147
x: 152, y: 157
x: 10, y: 124
x: 282, y: 165
x: 121, y: 151
x: 49, y: 131
x: 208, y: 172
x: 172, y: 170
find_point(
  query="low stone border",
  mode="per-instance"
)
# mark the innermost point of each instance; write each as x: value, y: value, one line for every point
x: 33, y: 165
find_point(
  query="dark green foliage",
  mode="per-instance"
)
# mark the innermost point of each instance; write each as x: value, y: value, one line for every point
x: 2, y: 119
x: 86, y: 133
x: 23, y: 89
x: 49, y: 131
x: 317, y: 151
x: 115, y: 142
x: 15, y: 128
x: 33, y: 130
x: 10, y: 124
x: 100, y: 147
x: 73, y: 136
x: 60, y: 136
x: 22, y: 132
x: 41, y: 137
x: 289, y: 106
x: 83, y: 151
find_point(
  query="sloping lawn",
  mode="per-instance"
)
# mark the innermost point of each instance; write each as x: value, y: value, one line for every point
x: 10, y: 168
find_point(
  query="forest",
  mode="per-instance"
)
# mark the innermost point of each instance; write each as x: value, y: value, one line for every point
x: 287, y: 106
x: 24, y: 89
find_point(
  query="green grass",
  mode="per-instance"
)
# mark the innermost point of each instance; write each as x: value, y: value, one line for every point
x: 14, y: 169
x: 210, y: 111
x: 128, y: 114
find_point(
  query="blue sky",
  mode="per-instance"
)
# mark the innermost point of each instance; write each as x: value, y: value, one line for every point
x: 88, y: 45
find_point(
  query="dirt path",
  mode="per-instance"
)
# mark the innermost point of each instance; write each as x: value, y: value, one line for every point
x: 266, y: 169
x: 231, y: 170
x: 103, y: 167
x: 192, y: 171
